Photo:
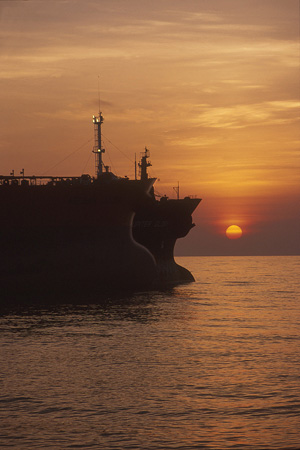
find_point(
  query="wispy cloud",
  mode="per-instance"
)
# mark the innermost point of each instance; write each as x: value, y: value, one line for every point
x: 240, y: 116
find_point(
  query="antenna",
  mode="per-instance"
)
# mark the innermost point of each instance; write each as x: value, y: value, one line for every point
x: 176, y: 189
x: 99, y: 94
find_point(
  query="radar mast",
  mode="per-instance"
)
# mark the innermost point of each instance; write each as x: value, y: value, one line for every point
x: 144, y: 164
x: 98, y: 150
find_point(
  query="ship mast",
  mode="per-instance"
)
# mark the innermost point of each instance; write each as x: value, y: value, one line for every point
x: 98, y: 150
x: 144, y: 164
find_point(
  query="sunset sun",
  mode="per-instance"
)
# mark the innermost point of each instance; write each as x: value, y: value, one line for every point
x: 234, y: 232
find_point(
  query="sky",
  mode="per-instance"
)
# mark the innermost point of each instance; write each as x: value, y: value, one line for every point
x: 210, y: 87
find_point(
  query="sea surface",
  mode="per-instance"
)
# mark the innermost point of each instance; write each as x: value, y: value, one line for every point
x: 213, y: 364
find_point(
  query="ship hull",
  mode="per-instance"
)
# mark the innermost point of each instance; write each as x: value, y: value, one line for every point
x: 157, y: 226
x: 64, y: 240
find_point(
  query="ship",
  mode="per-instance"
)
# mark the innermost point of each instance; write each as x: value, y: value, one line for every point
x: 61, y: 236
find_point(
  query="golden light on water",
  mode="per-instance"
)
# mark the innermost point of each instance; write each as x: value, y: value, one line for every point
x: 234, y: 232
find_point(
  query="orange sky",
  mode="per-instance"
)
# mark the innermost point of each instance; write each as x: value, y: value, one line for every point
x: 211, y: 87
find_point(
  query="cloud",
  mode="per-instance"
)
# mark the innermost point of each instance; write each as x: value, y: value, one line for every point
x: 240, y: 116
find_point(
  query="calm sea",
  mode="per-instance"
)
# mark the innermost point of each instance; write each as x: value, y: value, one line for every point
x: 209, y: 365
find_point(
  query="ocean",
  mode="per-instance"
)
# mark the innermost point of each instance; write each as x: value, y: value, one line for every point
x: 213, y: 364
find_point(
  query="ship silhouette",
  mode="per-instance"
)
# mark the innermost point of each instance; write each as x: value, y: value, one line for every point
x: 61, y: 236
x: 158, y: 224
